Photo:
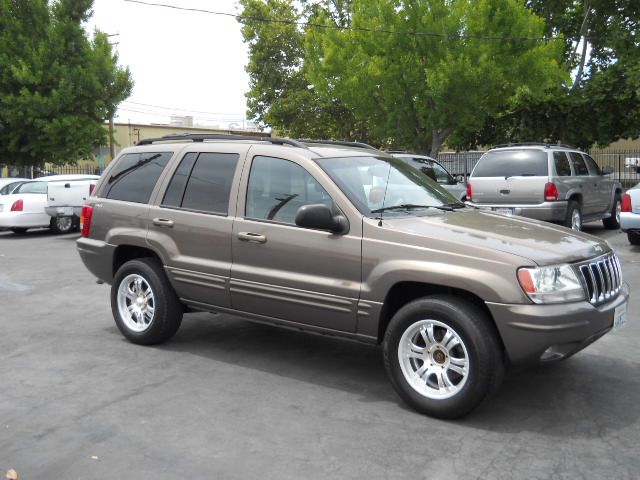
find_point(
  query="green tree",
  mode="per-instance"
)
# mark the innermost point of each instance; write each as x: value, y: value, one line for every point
x: 280, y: 95
x: 415, y: 90
x: 602, y: 102
x: 57, y: 86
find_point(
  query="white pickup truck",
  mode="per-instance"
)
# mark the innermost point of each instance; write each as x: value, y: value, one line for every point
x: 65, y: 199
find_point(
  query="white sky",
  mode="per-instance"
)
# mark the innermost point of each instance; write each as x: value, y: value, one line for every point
x: 188, y: 63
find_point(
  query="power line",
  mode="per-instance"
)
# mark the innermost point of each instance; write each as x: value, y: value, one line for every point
x: 446, y: 36
x: 165, y: 115
x: 180, y: 109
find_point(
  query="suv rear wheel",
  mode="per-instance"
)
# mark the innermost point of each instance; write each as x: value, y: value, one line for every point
x: 443, y: 355
x: 634, y: 238
x: 144, y: 304
x: 574, y: 216
x: 613, y: 222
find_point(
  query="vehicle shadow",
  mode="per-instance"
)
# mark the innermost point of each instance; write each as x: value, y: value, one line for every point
x: 580, y: 396
x: 8, y: 235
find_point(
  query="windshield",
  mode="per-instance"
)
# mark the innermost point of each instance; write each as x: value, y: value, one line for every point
x: 376, y: 184
x: 430, y: 168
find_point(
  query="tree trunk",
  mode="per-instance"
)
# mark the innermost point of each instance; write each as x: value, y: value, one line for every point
x: 112, y: 146
x: 437, y: 139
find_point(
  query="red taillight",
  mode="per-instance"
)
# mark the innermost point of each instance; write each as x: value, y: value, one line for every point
x: 85, y: 220
x: 550, y: 192
x: 17, y: 206
x: 92, y: 187
x: 469, y: 198
x: 626, y: 203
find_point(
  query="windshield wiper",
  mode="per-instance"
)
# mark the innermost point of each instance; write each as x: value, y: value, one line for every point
x: 412, y: 206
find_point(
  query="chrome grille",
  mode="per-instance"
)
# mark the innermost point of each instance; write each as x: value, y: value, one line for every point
x: 602, y: 277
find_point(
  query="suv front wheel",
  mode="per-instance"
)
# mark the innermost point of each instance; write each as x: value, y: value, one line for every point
x: 144, y: 304
x: 443, y: 355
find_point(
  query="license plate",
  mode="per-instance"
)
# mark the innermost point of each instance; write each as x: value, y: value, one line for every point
x: 66, y: 211
x: 505, y: 211
x: 619, y: 317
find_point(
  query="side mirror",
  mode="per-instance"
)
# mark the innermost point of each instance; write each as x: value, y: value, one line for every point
x: 320, y: 217
x: 607, y: 170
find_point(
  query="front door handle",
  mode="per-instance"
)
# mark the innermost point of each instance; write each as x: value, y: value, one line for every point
x: 162, y: 222
x: 252, y: 237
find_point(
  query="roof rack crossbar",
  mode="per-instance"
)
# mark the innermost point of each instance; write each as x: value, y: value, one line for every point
x: 344, y: 143
x: 200, y: 137
x: 531, y: 144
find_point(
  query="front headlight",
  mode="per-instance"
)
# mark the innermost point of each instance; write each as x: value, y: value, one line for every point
x: 554, y: 284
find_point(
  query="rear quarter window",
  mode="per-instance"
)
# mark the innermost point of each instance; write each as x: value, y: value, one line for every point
x: 135, y: 176
x: 512, y: 163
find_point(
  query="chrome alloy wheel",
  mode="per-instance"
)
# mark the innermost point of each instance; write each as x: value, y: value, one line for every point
x: 618, y: 210
x: 433, y: 359
x: 576, y: 220
x: 136, y: 303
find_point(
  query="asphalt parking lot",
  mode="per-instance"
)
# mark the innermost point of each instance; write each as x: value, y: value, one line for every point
x: 229, y: 399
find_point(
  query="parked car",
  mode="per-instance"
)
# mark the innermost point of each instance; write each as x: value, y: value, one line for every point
x: 24, y: 207
x: 435, y: 171
x: 347, y: 242
x: 66, y: 197
x: 8, y: 185
x: 630, y: 216
x: 546, y: 182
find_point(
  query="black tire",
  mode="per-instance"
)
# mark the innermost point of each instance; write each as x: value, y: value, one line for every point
x: 479, y: 344
x: 634, y: 238
x: 19, y: 231
x: 62, y: 225
x: 165, y: 307
x: 613, y: 222
x: 572, y: 207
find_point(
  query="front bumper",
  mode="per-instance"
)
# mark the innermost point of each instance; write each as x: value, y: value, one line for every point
x: 560, y: 330
x: 547, y: 211
x: 629, y: 221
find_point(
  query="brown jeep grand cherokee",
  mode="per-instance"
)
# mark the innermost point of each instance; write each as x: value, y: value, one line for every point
x: 346, y: 241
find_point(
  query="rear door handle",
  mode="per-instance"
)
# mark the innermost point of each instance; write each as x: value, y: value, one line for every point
x: 162, y: 222
x: 252, y: 237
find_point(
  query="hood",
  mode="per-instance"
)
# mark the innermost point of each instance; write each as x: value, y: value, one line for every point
x: 540, y: 242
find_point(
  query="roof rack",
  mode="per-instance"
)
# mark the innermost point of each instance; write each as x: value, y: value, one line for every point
x: 338, y: 142
x: 531, y: 144
x: 201, y: 137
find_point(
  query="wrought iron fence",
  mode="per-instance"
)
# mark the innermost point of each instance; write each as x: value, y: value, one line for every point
x: 35, y: 172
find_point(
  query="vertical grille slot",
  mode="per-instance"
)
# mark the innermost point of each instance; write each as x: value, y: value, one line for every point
x: 602, y: 277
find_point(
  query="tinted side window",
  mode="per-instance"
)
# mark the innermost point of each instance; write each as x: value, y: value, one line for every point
x: 278, y: 188
x: 512, y: 163
x: 562, y: 164
x: 175, y: 191
x: 594, y: 169
x: 578, y: 164
x: 209, y: 185
x: 135, y: 176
